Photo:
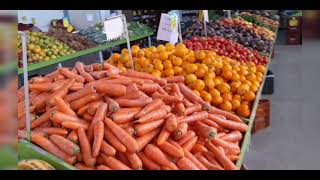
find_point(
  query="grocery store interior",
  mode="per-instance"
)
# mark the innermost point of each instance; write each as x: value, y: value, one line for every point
x: 168, y: 90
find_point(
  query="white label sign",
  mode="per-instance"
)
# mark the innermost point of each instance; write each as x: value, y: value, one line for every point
x: 113, y: 28
x: 206, y: 15
x: 168, y: 29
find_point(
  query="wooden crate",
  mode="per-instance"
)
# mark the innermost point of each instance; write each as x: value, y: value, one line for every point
x: 262, y: 119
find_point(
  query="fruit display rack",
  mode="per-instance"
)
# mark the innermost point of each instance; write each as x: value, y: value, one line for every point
x: 111, y: 44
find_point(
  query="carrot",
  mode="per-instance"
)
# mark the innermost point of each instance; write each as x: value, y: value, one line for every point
x: 189, y: 94
x: 205, y: 131
x: 122, y: 135
x: 141, y: 102
x: 149, y: 87
x: 148, y: 163
x: 74, y: 125
x: 132, y: 92
x: 125, y: 125
x: 186, y: 164
x: 186, y: 103
x: 40, y: 87
x: 198, y: 116
x: 59, y: 117
x: 82, y: 166
x: 85, y: 148
x: 63, y: 107
x: 41, y: 80
x: 73, y: 136
x: 98, y: 138
x: 175, y: 79
x: 65, y: 145
x: 113, y: 105
x: 171, y: 150
x: 187, y: 146
x: 211, y: 123
x: 154, y: 115
x: 180, y: 131
x: 135, y: 161
x: 210, y: 157
x: 83, y: 73
x: 88, y: 68
x: 81, y: 93
x: 77, y: 104
x: 40, y: 101
x: 52, y: 130
x: 233, y: 158
x: 206, y: 163
x: 167, y: 98
x: 179, y: 108
x: 171, y: 123
x: 98, y: 74
x: 229, y: 124
x: 96, y: 66
x: 107, y: 149
x: 123, y: 158
x: 157, y: 103
x: 58, y: 84
x: 77, y: 87
x: 124, y: 115
x: 163, y: 136
x: 222, y: 158
x: 88, y: 117
x: 221, y: 134
x: 138, y: 81
x: 46, y: 124
x: 115, y: 164
x: 71, y: 75
x: 155, y: 154
x: 47, y: 145
x: 198, y: 148
x: 234, y: 136
x: 226, y: 114
x: 111, y: 89
x: 61, y: 92
x: 142, y: 141
x: 113, y: 140
x: 136, y: 74
x: 99, y: 116
x: 195, y: 160
x: 42, y: 119
x: 130, y: 130
x: 192, y: 109
x: 59, y: 77
x: 103, y: 167
x: 22, y: 120
x: 144, y: 128
x: 81, y: 111
x: 22, y: 134
x: 226, y: 145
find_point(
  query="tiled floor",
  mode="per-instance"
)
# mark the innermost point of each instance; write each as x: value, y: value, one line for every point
x: 293, y: 139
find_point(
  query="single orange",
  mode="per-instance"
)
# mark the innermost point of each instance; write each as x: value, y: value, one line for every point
x: 235, y: 104
x: 169, y: 72
x: 116, y: 57
x: 214, y: 92
x: 249, y: 96
x: 198, y: 85
x: 177, y: 70
x: 217, y: 81
x: 177, y: 61
x: 234, y: 86
x: 209, y: 83
x: 223, y: 87
x: 200, y: 55
x: 161, y: 48
x: 251, y: 77
x: 190, y: 78
x: 261, y: 68
x: 200, y: 73
x: 227, y: 96
x: 196, y: 92
x: 226, y: 105
x: 216, y: 100
x: 163, y: 55
x: 243, y: 88
x: 206, y: 97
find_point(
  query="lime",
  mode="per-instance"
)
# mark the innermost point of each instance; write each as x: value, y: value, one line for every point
x: 53, y: 57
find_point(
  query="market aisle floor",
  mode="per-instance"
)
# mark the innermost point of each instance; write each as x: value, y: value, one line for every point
x: 292, y: 140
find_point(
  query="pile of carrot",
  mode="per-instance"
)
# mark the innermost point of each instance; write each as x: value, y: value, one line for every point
x: 96, y: 117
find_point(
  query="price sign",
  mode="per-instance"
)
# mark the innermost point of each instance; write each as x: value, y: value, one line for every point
x: 206, y: 15
x: 65, y: 22
x: 168, y: 29
x: 113, y: 28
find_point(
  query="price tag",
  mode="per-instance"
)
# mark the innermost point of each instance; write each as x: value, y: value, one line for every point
x: 65, y: 22
x: 168, y: 29
x: 206, y: 15
x: 113, y: 28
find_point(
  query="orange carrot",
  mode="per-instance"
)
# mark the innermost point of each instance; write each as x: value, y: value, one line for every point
x: 22, y: 120
x: 167, y: 98
x: 226, y: 114
x: 96, y: 66
x: 233, y: 158
x: 195, y: 160
x: 179, y: 108
x: 40, y: 87
x: 113, y: 105
x: 111, y: 89
x: 65, y: 145
x: 40, y: 101
x: 210, y: 157
x: 115, y: 164
x: 155, y: 154
x: 98, y: 138
x: 125, y: 125
x: 211, y: 123
x: 154, y: 115
x: 114, y: 141
x: 41, y: 80
x: 59, y: 117
x: 206, y: 163
x: 163, y: 136
x: 122, y: 135
x: 74, y: 125
x: 226, y: 145
x: 47, y: 124
x: 123, y: 158
x: 75, y: 105
x: 135, y: 161
x: 141, y: 102
x: 175, y: 79
x: 198, y: 116
x: 180, y: 131
x: 138, y: 81
x: 73, y: 136
x: 52, y: 130
x: 132, y: 92
x: 61, y: 92
x: 205, y: 131
x: 98, y: 74
x: 88, y: 117
x: 63, y: 107
x: 198, y: 148
x: 81, y: 111
x: 148, y: 163
x: 186, y: 164
x: 76, y: 87
x: 22, y: 134
x: 92, y: 107
x: 221, y: 134
x: 85, y: 148
x: 103, y: 167
x: 239, y: 126
x: 42, y: 119
x: 188, y: 135
x: 157, y: 103
x: 47, y: 145
x: 81, y: 93
x: 58, y: 85
x: 144, y: 128
x: 99, y: 116
x: 107, y: 149
x: 124, y: 115
x: 130, y: 130
x: 186, y: 103
x: 171, y: 150
x: 149, y: 87
x: 189, y: 94
x: 142, y: 141
x: 187, y: 146
x: 71, y: 75
x: 82, y: 166
x: 222, y: 158
x: 136, y: 74
x: 88, y: 68
x: 192, y: 109
x: 234, y: 136
x: 83, y: 73
x: 171, y: 123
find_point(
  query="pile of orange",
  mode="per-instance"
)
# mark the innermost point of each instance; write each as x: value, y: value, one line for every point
x: 224, y: 82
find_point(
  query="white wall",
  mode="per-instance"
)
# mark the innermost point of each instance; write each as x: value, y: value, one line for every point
x: 43, y: 17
